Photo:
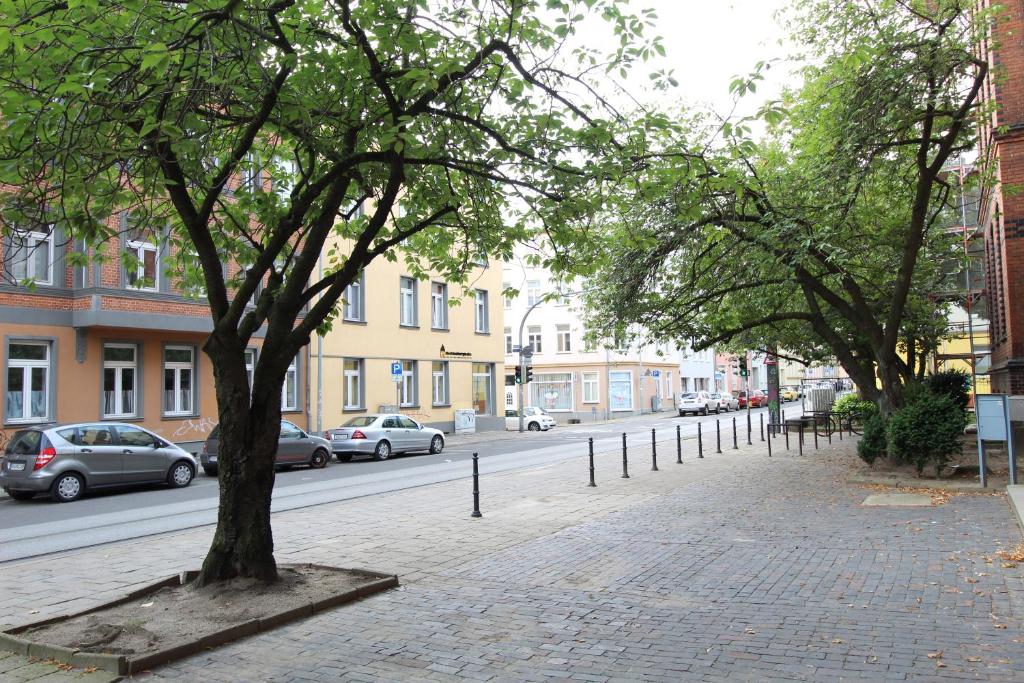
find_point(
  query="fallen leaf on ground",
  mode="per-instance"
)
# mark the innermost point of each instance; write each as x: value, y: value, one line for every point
x: 934, y: 655
x: 146, y: 604
x: 940, y: 665
x: 999, y: 625
x: 974, y: 659
x: 836, y: 641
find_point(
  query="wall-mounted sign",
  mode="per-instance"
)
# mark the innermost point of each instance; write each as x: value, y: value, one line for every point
x: 454, y: 354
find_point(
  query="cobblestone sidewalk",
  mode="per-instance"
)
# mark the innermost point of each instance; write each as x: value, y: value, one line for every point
x: 735, y: 567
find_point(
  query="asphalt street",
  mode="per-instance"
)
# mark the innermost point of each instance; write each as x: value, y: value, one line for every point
x: 40, y: 526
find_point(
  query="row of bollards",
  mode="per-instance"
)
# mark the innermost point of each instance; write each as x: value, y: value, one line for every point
x: 773, y: 432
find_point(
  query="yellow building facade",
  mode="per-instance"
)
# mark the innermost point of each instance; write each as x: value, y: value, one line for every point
x: 446, y: 340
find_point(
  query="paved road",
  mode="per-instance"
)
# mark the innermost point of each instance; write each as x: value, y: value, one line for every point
x: 40, y: 526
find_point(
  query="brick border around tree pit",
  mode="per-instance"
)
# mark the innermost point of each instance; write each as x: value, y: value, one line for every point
x: 125, y: 665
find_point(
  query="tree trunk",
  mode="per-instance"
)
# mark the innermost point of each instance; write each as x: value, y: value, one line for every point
x: 243, y: 544
x: 891, y: 397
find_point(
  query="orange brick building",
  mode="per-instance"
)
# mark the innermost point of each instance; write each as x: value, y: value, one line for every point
x: 1001, y: 214
x: 110, y: 341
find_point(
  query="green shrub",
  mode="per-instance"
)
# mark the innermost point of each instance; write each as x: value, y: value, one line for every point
x: 956, y: 384
x: 873, y: 443
x: 853, y: 407
x: 927, y: 431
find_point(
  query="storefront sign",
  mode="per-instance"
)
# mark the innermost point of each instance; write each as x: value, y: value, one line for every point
x: 454, y: 354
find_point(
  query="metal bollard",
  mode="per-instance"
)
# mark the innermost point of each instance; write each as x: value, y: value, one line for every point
x: 815, y: 418
x: 770, y: 428
x: 785, y: 430
x: 590, y: 442
x: 840, y: 430
x: 800, y: 439
x: 679, y: 446
x: 625, y: 461
x: 735, y: 443
x: 760, y: 418
x: 749, y: 442
x: 654, y: 452
x: 829, y: 428
x: 700, y: 442
x: 476, y: 487
x: 718, y: 437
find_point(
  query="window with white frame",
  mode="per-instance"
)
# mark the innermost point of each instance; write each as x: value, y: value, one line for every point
x: 483, y: 384
x: 439, y: 380
x: 143, y: 273
x: 286, y: 172
x: 252, y: 173
x: 480, y: 307
x: 250, y: 366
x: 408, y: 398
x: 120, y: 370
x: 354, y: 297
x: 407, y: 302
x: 508, y: 297
x: 353, y: 374
x: 508, y: 341
x: 439, y: 306
x: 591, y: 388
x: 564, y: 339
x: 31, y: 257
x: 534, y: 339
x: 290, y: 388
x: 532, y: 292
x: 620, y: 391
x: 552, y: 391
x: 27, y: 396
x: 179, y: 380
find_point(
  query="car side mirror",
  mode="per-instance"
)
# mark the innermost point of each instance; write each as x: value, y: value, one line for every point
x: 419, y: 426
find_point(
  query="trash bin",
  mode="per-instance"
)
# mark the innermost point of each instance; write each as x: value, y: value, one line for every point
x: 655, y: 404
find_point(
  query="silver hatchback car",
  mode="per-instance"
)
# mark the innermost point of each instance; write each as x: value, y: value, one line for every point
x: 382, y: 435
x: 67, y: 460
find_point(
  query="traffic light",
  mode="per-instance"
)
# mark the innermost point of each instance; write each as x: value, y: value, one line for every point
x: 529, y: 375
x: 519, y: 374
x: 744, y: 370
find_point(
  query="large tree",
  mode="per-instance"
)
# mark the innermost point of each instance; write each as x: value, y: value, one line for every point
x: 824, y: 237
x: 430, y: 115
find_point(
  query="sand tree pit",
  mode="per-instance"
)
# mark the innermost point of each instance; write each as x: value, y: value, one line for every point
x: 172, y: 619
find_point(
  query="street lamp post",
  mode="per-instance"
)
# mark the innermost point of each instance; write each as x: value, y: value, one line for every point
x: 522, y: 358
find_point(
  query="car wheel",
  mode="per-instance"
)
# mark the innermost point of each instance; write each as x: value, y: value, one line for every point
x: 718, y: 410
x: 382, y: 451
x: 344, y: 457
x: 534, y: 427
x: 682, y: 414
x: 181, y: 475
x: 705, y: 411
x: 210, y: 471
x: 436, y: 444
x: 67, y: 487
x: 319, y: 459
x: 21, y: 495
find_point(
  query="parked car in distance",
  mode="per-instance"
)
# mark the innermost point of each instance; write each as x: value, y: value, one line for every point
x: 727, y: 401
x: 757, y: 399
x: 381, y: 436
x: 789, y: 393
x: 68, y: 460
x: 697, y: 402
x: 534, y: 419
x: 294, y: 447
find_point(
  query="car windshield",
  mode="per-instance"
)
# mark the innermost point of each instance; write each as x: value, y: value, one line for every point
x: 691, y: 395
x: 361, y: 421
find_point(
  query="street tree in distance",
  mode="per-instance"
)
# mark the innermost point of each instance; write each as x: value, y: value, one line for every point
x: 428, y: 115
x: 825, y: 237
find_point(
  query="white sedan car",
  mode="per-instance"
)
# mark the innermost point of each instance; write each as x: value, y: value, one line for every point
x: 382, y: 435
x: 534, y: 419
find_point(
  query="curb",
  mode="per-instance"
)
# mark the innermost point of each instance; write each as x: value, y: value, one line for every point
x: 937, y: 484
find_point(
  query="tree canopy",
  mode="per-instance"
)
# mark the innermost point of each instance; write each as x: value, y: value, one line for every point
x: 251, y: 132
x: 824, y: 237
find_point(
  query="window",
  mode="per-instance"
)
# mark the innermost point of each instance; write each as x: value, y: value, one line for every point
x: 28, y: 382
x: 31, y: 257
x: 353, y: 384
x: 508, y: 297
x: 193, y: 279
x: 620, y: 390
x: 439, y: 306
x: 252, y: 173
x: 290, y: 388
x: 591, y: 388
x: 532, y: 292
x: 482, y: 323
x: 564, y: 339
x: 250, y: 366
x: 133, y: 436
x: 143, y: 274
x: 290, y: 431
x: 483, y: 374
x: 439, y: 382
x: 508, y: 341
x: 179, y: 384
x: 534, y: 338
x: 407, y: 302
x: 354, y: 300
x: 408, y: 384
x: 119, y: 373
x: 287, y: 172
x: 552, y: 391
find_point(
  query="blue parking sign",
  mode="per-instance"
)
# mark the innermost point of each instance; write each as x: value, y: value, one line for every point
x: 396, y: 368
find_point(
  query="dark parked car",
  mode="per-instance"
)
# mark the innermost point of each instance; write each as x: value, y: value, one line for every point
x: 294, y: 447
x: 67, y: 460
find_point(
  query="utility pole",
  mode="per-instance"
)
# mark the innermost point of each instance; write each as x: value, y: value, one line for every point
x: 524, y: 359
